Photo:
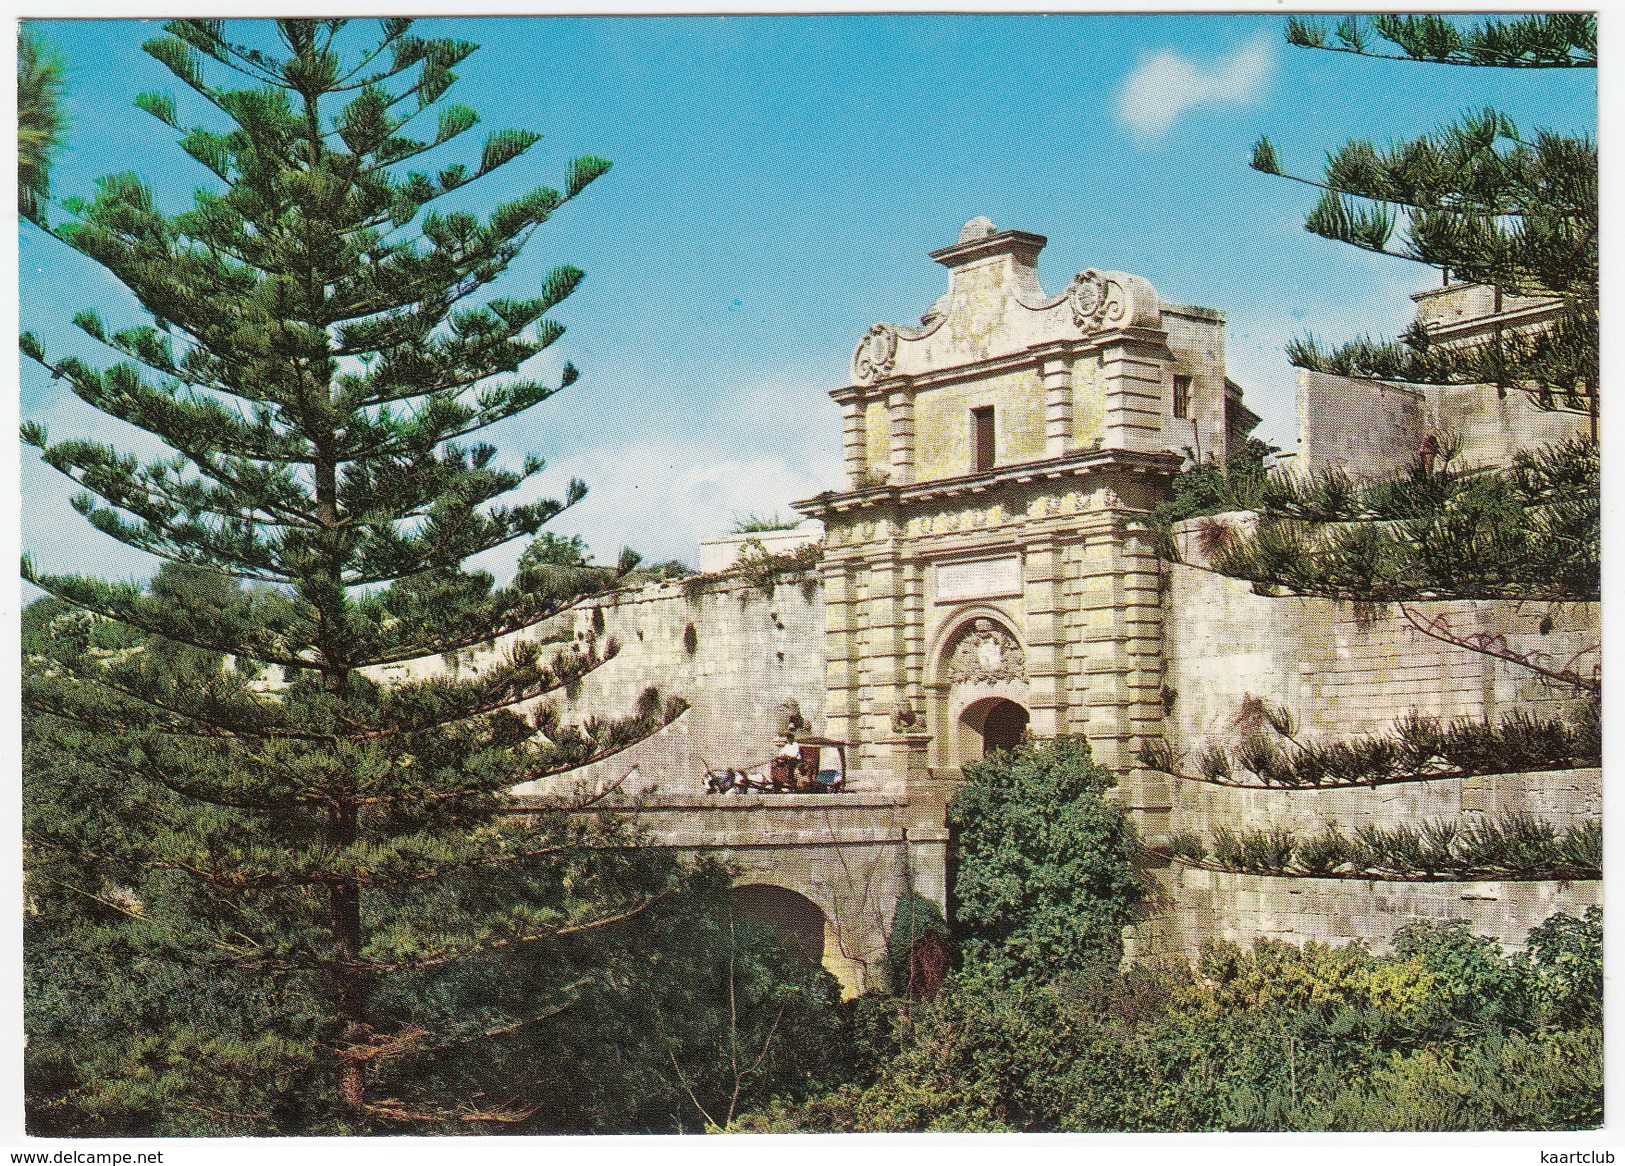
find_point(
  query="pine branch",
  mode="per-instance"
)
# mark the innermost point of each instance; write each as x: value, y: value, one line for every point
x: 1495, y: 645
x: 1265, y: 162
x: 1545, y: 41
x: 508, y: 943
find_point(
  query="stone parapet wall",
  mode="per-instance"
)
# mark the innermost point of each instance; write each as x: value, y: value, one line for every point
x: 1371, y: 430
x: 720, y: 553
x: 1242, y: 908
x: 751, y: 652
x: 1365, y: 428
x: 1563, y: 797
x: 775, y: 820
x: 1493, y: 426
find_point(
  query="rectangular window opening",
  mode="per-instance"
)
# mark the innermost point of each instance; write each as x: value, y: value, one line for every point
x: 1182, y: 396
x: 982, y: 436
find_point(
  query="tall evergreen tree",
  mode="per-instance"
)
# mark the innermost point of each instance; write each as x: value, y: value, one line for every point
x: 316, y: 351
x: 1491, y: 207
x: 1477, y: 199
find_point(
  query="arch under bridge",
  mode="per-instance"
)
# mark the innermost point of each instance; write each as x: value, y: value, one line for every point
x: 826, y: 869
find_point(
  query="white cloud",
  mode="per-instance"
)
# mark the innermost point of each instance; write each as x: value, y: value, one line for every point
x: 663, y: 497
x: 1167, y: 84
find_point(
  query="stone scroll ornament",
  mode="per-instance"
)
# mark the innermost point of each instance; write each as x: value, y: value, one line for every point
x: 876, y: 354
x: 1111, y: 299
x: 987, y: 655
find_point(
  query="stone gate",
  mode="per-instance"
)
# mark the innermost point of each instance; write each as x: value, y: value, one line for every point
x: 986, y: 571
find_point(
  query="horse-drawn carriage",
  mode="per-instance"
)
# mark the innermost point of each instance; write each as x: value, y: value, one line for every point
x: 797, y: 768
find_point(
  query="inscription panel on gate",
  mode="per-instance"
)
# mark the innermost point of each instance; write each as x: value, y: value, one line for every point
x: 980, y: 579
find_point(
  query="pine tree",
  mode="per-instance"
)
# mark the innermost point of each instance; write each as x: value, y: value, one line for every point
x: 1489, y: 206
x: 315, y: 354
x: 1477, y: 199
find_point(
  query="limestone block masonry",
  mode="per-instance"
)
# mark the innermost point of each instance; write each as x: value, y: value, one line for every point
x: 987, y: 573
x: 1211, y: 905
x: 1373, y: 429
x: 984, y: 570
x: 1343, y: 672
x: 1243, y: 908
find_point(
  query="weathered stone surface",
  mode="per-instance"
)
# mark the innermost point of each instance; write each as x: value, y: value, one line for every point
x: 1342, y: 671
x: 851, y: 855
x: 1563, y: 797
x: 1371, y: 429
x: 1242, y: 908
x: 956, y: 583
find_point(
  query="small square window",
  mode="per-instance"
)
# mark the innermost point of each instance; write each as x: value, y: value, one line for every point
x: 981, y: 424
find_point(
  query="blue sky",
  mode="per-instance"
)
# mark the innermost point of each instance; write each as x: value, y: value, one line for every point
x: 777, y: 183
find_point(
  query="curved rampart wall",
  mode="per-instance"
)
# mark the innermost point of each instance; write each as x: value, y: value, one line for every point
x: 1340, y: 672
x: 748, y: 653
x: 1204, y: 905
x: 1242, y: 908
x: 1563, y: 797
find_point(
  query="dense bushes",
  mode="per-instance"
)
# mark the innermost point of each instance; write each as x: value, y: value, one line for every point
x: 1038, y: 1029
x: 1047, y: 866
x: 1446, y: 1033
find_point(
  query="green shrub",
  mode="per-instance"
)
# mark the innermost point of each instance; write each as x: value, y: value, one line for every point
x: 1046, y: 865
x: 1436, y: 1036
x: 1543, y: 1081
x: 1565, y: 956
x: 916, y: 924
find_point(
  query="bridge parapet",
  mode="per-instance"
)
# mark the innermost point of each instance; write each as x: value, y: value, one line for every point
x: 851, y: 854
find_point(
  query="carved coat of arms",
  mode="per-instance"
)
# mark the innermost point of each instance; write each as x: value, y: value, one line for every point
x: 987, y: 654
x: 1096, y: 300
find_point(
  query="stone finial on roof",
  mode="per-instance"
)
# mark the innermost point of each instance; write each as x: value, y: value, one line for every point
x: 978, y: 228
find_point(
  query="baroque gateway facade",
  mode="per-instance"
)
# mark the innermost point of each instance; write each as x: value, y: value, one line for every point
x: 985, y: 572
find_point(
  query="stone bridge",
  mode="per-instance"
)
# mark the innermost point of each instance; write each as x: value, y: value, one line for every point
x: 826, y: 869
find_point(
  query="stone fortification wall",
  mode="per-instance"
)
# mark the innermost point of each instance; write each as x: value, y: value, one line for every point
x: 1365, y: 428
x: 1563, y: 797
x: 747, y: 654
x: 1492, y: 426
x: 1241, y: 908
x: 734, y: 653
x: 1344, y: 671
x: 1373, y: 430
x: 720, y: 553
